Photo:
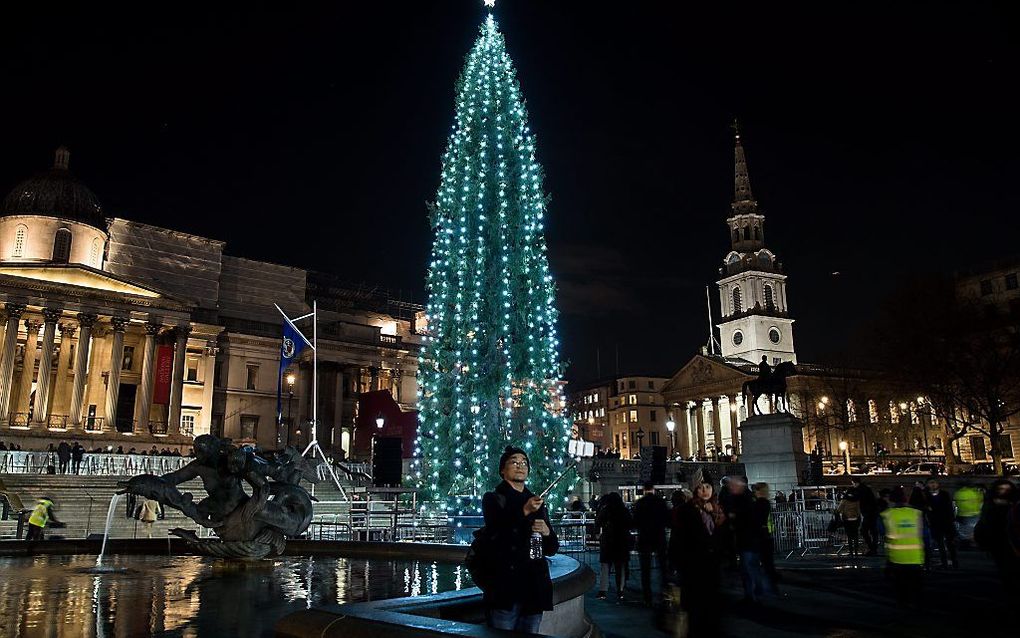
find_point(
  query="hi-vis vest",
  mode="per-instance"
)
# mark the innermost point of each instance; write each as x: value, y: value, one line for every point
x: 904, y: 544
x: 968, y: 502
x: 41, y: 514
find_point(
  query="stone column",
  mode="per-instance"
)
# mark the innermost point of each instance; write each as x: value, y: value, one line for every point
x: 204, y: 424
x: 81, y: 364
x: 699, y: 414
x: 734, y: 422
x: 683, y: 443
x: 177, y: 381
x: 717, y: 426
x: 119, y: 324
x: 28, y: 366
x: 60, y: 387
x: 373, y: 384
x: 41, y: 411
x: 143, y: 400
x: 397, y: 377
x: 7, y: 355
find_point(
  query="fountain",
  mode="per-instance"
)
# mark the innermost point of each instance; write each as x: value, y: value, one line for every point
x: 246, y: 527
x: 106, y: 532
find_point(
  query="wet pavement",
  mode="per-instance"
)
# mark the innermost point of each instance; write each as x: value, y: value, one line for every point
x: 839, y: 598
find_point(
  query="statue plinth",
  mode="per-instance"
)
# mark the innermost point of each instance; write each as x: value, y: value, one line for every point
x: 773, y: 450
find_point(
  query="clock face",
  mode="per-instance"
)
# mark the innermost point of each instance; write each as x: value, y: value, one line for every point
x: 774, y: 335
x: 738, y: 338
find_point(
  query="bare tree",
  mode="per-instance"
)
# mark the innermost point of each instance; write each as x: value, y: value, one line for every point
x: 965, y: 360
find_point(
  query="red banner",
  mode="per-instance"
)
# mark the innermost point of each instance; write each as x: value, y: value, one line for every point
x: 164, y: 372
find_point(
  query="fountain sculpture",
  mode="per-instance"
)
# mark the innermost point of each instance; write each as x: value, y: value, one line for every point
x: 248, y: 527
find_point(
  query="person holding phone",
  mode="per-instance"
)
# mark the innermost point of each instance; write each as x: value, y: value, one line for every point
x: 523, y: 589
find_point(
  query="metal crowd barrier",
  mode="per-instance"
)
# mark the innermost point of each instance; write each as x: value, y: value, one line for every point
x: 93, y: 464
x: 802, y: 528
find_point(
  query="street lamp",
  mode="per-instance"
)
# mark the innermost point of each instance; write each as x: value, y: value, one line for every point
x: 380, y: 421
x: 291, y: 378
x: 670, y: 426
x: 825, y: 422
x: 640, y: 434
x: 924, y: 424
x: 845, y: 449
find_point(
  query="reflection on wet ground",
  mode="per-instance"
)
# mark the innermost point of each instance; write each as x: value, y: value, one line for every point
x: 56, y: 596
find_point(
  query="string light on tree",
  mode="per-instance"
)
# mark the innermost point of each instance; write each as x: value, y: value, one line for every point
x: 489, y: 371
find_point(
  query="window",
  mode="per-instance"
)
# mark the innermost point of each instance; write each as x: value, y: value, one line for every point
x: 631, y: 384
x: 737, y: 307
x: 191, y: 373
x: 1011, y: 282
x: 770, y: 301
x: 19, y: 241
x: 872, y: 411
x: 977, y: 448
x: 95, y: 253
x: 776, y: 361
x: 616, y: 440
x: 621, y: 387
x: 738, y: 338
x: 62, y: 246
x: 651, y: 385
x: 632, y: 399
x: 757, y: 233
x: 747, y: 233
x: 595, y: 397
x: 249, y: 426
x: 1006, y: 446
x: 653, y: 415
x: 252, y: 376
x: 188, y: 424
x: 774, y: 335
x: 986, y: 287
x: 851, y: 411
x: 653, y: 437
x: 633, y: 416
x: 128, y: 361
x: 602, y: 412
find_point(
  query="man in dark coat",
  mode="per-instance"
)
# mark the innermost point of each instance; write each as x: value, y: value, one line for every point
x: 942, y: 521
x: 77, y: 454
x: 869, y: 514
x: 522, y: 588
x: 651, y: 518
x: 63, y: 456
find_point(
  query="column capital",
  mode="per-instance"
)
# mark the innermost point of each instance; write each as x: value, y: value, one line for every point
x: 67, y: 330
x: 87, y: 319
x: 52, y: 315
x: 182, y: 332
x: 152, y: 329
x: 14, y: 310
x: 119, y: 324
x: 32, y: 325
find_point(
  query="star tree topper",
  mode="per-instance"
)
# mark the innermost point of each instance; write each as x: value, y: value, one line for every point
x: 489, y: 3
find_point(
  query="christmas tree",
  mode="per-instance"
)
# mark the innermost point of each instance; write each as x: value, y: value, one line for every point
x: 489, y: 372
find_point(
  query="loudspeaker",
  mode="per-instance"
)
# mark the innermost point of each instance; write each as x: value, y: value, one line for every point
x: 659, y: 465
x: 386, y: 461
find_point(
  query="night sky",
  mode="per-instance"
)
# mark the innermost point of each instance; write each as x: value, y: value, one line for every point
x: 881, y: 142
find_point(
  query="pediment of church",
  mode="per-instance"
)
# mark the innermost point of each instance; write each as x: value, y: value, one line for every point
x: 702, y: 371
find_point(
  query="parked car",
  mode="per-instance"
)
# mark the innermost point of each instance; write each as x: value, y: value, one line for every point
x: 928, y: 469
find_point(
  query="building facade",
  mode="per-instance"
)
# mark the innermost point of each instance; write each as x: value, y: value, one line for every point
x: 124, y: 334
x: 622, y: 413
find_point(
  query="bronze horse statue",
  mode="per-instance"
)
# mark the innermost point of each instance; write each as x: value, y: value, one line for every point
x: 773, y: 386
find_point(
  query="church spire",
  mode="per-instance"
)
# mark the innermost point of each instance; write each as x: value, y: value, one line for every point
x: 743, y: 201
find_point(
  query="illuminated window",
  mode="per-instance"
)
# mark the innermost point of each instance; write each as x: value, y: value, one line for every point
x: 95, y: 252
x: 19, y: 240
x: 851, y: 411
x: 187, y: 424
x: 632, y: 399
x: 872, y: 411
x: 633, y: 416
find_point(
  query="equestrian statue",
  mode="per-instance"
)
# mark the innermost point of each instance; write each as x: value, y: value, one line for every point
x: 771, y: 383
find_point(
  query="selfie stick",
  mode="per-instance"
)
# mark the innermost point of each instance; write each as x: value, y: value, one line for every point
x: 556, y: 480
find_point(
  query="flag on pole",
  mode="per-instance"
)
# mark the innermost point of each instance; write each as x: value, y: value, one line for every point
x: 291, y: 345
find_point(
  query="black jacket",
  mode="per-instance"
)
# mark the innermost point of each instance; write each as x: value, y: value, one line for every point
x: 651, y: 518
x: 519, y: 579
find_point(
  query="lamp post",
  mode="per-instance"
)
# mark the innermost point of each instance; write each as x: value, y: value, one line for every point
x: 640, y: 434
x: 844, y: 447
x: 905, y: 417
x: 670, y: 426
x: 924, y: 424
x: 825, y: 421
x: 291, y: 378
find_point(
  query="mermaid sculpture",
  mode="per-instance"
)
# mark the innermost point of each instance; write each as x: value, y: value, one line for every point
x: 249, y: 527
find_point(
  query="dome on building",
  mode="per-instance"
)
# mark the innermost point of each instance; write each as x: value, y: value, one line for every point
x: 56, y: 193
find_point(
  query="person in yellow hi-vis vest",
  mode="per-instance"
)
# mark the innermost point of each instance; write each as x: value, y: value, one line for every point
x: 968, y: 510
x: 904, y: 546
x: 41, y: 515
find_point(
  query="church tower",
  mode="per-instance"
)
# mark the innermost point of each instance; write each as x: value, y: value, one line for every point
x: 752, y: 287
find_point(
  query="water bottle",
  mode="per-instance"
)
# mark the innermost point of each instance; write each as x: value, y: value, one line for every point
x: 535, y: 548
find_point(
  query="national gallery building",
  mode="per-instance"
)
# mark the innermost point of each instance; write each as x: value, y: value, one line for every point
x: 123, y: 334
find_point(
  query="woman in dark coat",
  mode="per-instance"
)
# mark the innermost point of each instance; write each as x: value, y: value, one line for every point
x: 614, y: 524
x: 992, y: 532
x: 701, y: 551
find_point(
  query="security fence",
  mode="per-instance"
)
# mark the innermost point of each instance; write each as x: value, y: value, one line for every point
x: 92, y: 464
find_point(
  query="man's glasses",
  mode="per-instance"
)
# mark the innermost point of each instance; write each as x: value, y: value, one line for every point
x: 518, y: 463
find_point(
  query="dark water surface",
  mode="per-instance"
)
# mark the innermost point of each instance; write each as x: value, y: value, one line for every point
x: 56, y: 597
